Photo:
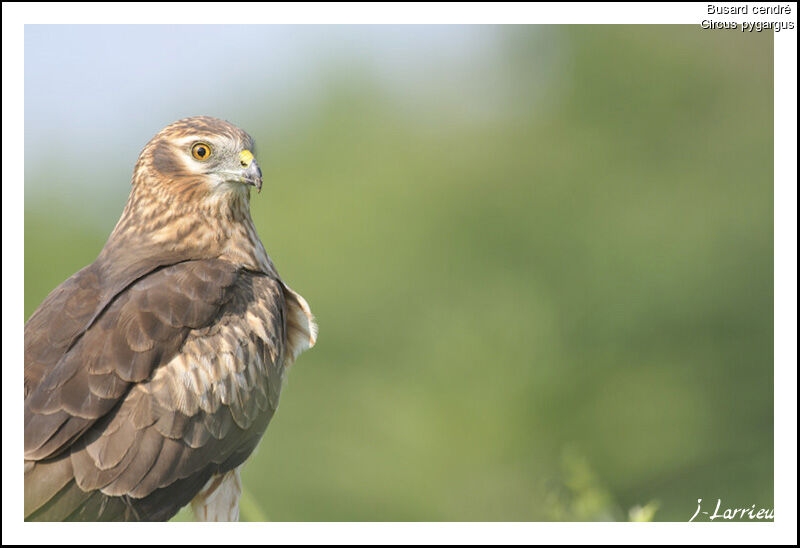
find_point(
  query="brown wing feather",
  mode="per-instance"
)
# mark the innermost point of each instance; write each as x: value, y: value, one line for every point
x: 175, y: 381
x: 71, y: 309
x: 73, y: 303
x: 144, y: 326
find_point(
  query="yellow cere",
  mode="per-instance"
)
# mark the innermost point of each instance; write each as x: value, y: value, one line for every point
x: 246, y: 157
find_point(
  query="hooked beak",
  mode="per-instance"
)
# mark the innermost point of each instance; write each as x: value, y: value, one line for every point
x: 251, y: 173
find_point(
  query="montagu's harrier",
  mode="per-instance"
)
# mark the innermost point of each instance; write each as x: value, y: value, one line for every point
x: 151, y: 374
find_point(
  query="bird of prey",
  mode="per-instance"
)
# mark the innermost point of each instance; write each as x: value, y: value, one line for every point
x: 152, y: 373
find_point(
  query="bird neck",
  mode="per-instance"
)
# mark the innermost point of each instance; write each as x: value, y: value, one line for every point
x: 219, y: 227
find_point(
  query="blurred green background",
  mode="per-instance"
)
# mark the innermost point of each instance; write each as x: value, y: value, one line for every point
x: 543, y: 270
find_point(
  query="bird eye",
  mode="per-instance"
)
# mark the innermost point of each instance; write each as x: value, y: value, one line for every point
x: 201, y: 151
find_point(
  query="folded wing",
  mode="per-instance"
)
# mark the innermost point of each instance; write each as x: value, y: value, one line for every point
x: 173, y: 382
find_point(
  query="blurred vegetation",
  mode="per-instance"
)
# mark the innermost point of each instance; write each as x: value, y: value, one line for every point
x: 559, y: 308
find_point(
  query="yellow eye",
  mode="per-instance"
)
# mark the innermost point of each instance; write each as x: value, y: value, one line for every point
x: 201, y: 151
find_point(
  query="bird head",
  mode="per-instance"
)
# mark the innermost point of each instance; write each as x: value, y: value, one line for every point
x: 190, y: 197
x: 199, y: 159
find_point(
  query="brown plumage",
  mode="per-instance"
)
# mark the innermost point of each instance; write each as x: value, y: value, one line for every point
x: 151, y: 374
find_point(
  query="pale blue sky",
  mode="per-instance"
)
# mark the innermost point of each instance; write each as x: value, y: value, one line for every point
x: 95, y: 92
